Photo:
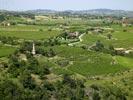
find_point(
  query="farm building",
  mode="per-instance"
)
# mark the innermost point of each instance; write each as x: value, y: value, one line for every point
x: 4, y: 23
x: 122, y: 51
x: 73, y: 35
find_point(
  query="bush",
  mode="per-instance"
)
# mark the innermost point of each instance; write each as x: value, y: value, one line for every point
x: 63, y: 63
x: 10, y: 91
x: 27, y: 80
x: 41, y: 30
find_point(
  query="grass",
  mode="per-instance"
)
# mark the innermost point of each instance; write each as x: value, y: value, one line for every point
x: 91, y: 63
x: 125, y: 61
x: 96, y: 65
x: 30, y: 35
x: 4, y: 59
x: 5, y: 51
x: 122, y: 80
x: 84, y: 62
x: 90, y: 39
x: 120, y: 39
x: 29, y: 32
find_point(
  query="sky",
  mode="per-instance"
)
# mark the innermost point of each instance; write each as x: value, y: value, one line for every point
x: 19, y: 5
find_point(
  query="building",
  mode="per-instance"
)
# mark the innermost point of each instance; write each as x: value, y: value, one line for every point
x: 73, y: 35
x: 122, y: 51
x: 119, y: 51
x: 4, y: 23
x: 124, y: 21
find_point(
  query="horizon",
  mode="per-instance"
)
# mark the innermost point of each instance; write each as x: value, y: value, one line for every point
x: 59, y: 5
x: 64, y: 10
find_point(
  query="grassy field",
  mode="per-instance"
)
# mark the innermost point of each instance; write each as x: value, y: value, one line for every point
x: 88, y: 62
x: 29, y: 32
x: 65, y: 64
x: 82, y: 61
x: 5, y: 51
x: 30, y: 35
x: 119, y: 38
x: 122, y: 80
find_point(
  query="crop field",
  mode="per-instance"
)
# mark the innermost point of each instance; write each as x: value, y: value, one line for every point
x: 90, y: 63
x: 29, y: 32
x: 123, y: 80
x: 30, y: 35
x: 119, y: 39
x: 65, y: 56
x: 82, y: 61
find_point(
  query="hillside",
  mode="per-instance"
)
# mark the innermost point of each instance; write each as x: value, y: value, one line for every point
x: 66, y: 57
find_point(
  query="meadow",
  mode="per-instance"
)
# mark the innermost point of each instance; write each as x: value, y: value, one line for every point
x: 83, y: 62
x: 120, y: 39
x: 29, y: 32
x: 56, y: 62
x: 5, y: 51
x: 88, y: 63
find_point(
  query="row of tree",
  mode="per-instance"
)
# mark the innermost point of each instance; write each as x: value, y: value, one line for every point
x: 8, y: 40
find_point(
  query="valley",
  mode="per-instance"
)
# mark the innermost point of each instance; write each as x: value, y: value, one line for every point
x: 93, y: 55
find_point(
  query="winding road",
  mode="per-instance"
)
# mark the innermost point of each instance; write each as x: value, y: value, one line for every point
x: 80, y: 40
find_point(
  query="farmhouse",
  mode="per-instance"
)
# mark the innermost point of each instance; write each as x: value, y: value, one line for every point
x: 98, y: 30
x: 128, y: 51
x: 119, y: 50
x: 123, y: 51
x: 4, y: 23
x: 73, y: 35
x: 123, y: 21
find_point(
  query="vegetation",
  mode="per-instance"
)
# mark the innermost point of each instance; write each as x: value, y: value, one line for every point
x: 77, y: 57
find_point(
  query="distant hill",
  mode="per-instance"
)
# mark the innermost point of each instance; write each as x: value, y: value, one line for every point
x: 91, y: 12
x: 106, y: 12
x: 41, y: 11
x: 102, y: 12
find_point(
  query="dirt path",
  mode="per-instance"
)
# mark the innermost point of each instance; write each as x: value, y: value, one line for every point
x: 80, y: 40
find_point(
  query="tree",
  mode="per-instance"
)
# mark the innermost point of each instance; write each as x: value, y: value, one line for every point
x: 111, y: 50
x: 27, y: 80
x: 99, y: 46
x: 33, y: 65
x: 41, y: 30
x: 51, y: 53
x: 65, y: 35
x: 26, y: 46
x: 2, y: 18
x: 69, y: 81
x: 10, y: 91
x: 43, y: 70
x: 109, y: 36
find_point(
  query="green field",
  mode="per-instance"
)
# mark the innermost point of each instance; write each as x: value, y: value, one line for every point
x: 6, y: 51
x: 83, y: 62
x: 45, y: 60
x: 119, y: 39
x: 29, y: 32
x: 91, y: 63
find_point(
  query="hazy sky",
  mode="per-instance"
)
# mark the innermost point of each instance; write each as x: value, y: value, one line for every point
x: 65, y: 4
